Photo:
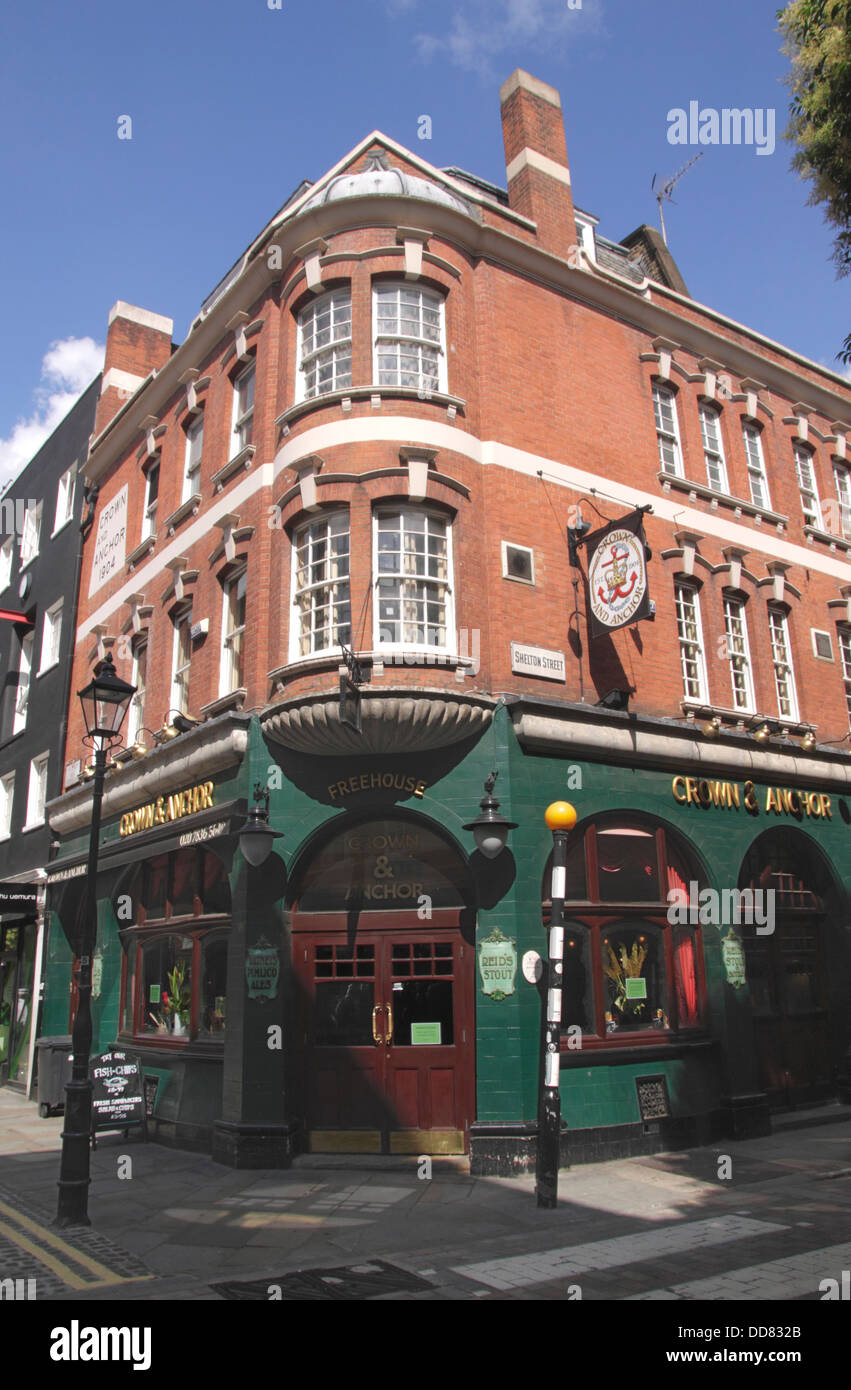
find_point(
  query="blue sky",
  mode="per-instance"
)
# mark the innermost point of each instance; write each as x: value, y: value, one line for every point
x: 233, y: 104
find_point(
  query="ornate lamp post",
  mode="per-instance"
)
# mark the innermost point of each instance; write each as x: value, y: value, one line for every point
x: 105, y: 701
x: 256, y: 836
x: 560, y: 818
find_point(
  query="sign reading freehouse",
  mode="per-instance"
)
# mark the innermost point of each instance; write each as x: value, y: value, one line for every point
x: 111, y: 541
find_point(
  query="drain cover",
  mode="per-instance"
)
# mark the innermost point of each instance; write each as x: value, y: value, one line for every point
x: 349, y: 1282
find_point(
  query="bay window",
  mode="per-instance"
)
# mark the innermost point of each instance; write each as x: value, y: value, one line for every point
x: 325, y: 344
x: 321, y: 594
x: 413, y: 596
x: 409, y: 337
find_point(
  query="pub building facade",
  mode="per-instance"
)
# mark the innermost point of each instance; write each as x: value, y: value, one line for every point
x: 443, y: 483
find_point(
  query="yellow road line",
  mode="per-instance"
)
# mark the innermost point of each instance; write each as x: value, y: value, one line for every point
x: 104, y: 1275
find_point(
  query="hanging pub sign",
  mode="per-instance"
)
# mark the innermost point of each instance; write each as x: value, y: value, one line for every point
x: 618, y: 591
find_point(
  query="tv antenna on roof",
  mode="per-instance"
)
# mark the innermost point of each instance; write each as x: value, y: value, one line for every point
x: 665, y: 190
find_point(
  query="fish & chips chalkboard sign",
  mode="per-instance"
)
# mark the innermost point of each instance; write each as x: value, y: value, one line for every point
x: 117, y: 1100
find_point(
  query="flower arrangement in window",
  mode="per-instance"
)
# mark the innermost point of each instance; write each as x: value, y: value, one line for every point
x: 622, y: 967
x: 175, y: 1001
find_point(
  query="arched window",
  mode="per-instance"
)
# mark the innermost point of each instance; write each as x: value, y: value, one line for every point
x: 628, y: 969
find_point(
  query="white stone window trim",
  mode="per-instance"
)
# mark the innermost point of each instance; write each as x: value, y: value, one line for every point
x: 517, y: 578
x: 50, y: 616
x: 6, y: 557
x: 756, y: 470
x: 682, y: 589
x: 36, y: 815
x: 816, y: 632
x: 136, y: 708
x: 22, y: 696
x: 661, y: 392
x: 715, y: 454
x: 69, y: 479
x: 183, y: 616
x: 7, y: 803
x: 192, y: 468
x: 325, y: 517
x: 740, y: 606
x: 149, y: 509
x: 778, y: 621
x: 303, y: 362
x: 390, y: 649
x: 808, y: 487
x: 240, y: 422
x: 226, y: 671
x: 438, y: 345
x: 31, y: 535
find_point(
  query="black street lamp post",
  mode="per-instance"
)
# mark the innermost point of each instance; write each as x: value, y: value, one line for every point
x: 560, y: 818
x: 105, y: 700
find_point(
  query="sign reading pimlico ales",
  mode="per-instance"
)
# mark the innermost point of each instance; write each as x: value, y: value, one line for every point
x: 117, y: 1099
x: 618, y: 592
x: 537, y: 661
x: 111, y: 541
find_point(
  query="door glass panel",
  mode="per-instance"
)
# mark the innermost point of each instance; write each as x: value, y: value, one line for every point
x: 422, y: 1005
x: 798, y: 969
x: 758, y: 968
x: 424, y: 1002
x: 343, y: 1013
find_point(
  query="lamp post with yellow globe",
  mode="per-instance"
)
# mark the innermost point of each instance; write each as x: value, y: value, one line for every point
x: 560, y: 817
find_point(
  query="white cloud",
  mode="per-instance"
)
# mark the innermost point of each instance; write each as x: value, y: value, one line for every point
x: 483, y: 30
x: 67, y: 368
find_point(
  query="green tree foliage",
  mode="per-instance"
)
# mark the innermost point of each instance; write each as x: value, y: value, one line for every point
x: 818, y: 42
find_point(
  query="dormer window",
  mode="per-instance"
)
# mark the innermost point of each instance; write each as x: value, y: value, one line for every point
x: 409, y: 337
x: 325, y: 345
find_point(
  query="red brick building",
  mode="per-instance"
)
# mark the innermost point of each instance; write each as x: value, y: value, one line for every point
x: 378, y: 433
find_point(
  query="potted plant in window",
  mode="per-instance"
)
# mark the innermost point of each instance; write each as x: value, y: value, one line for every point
x: 179, y: 999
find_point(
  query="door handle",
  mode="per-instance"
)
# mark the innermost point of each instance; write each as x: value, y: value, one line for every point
x: 388, y: 1037
x: 376, y: 1035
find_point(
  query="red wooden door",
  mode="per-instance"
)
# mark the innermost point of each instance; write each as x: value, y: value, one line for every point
x: 386, y: 1037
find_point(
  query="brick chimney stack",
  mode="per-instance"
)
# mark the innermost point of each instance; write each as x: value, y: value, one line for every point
x: 137, y: 343
x: 536, y: 160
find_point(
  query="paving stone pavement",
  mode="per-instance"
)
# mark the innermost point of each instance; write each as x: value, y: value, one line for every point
x: 663, y: 1228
